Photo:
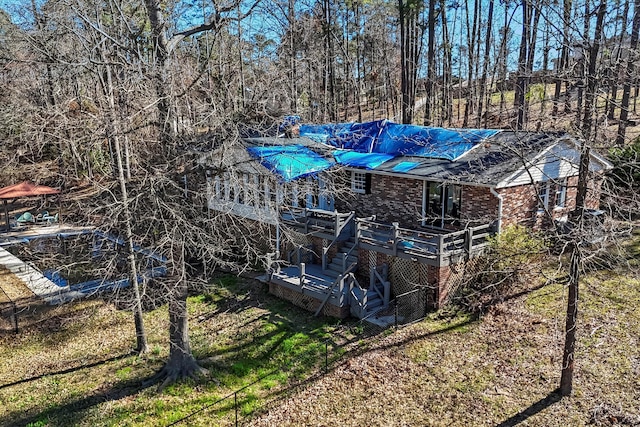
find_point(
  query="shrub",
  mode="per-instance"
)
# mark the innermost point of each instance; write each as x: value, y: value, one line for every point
x: 514, y: 256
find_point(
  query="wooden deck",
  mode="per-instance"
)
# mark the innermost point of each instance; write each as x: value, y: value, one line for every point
x: 437, y: 247
x: 315, y: 283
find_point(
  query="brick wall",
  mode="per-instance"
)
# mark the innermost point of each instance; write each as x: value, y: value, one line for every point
x: 392, y: 199
x: 520, y: 205
x: 478, y: 204
x: 395, y: 199
x: 594, y: 191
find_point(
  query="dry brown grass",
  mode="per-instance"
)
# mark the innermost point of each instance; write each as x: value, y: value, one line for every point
x: 501, y: 370
x: 12, y: 287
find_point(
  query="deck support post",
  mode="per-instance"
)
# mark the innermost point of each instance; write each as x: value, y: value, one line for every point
x: 468, y: 241
x: 302, y: 273
x: 387, y: 293
x: 324, y: 258
x: 396, y: 234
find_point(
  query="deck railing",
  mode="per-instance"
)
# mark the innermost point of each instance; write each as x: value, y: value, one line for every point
x: 316, y: 221
x: 435, y: 245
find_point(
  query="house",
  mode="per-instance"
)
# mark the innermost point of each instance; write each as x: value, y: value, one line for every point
x: 366, y: 211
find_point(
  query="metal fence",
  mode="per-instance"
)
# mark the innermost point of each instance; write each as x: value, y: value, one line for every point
x: 8, y: 317
x: 405, y: 309
x: 12, y: 311
x: 412, y: 306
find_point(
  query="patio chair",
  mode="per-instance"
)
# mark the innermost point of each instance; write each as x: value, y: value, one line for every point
x: 41, y: 217
x: 50, y: 219
x: 25, y: 218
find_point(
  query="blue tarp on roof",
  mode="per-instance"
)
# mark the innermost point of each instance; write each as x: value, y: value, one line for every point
x: 428, y: 142
x: 290, y: 161
x: 327, y: 132
x: 404, y: 166
x: 361, y: 160
x: 360, y: 137
x: 350, y: 136
x: 288, y: 122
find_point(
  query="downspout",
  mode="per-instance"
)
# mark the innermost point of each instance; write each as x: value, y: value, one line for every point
x: 500, y: 199
x: 279, y: 192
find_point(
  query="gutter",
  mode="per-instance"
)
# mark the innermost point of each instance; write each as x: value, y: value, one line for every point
x: 500, y: 200
x: 417, y: 177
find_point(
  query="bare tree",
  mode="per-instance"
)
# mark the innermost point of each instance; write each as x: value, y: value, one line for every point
x: 411, y: 32
x: 629, y: 75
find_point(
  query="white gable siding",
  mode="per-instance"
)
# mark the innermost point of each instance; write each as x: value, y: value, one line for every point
x: 559, y: 161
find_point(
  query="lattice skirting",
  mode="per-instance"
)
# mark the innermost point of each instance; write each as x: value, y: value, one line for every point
x: 405, y: 275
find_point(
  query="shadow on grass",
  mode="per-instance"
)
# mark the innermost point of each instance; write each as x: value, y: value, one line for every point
x: 532, y: 410
x: 71, y: 413
x: 414, y: 337
x: 335, y: 362
x: 68, y: 370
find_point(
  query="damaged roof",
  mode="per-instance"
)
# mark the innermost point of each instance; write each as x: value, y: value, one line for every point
x: 470, y: 156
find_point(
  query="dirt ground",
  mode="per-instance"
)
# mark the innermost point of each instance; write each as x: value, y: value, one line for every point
x: 12, y: 287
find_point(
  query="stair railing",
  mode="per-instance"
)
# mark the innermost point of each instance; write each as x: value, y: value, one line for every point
x: 341, y: 282
x: 357, y: 303
x: 376, y: 279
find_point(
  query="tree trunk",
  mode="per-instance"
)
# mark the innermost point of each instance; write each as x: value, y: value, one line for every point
x: 562, y: 63
x: 504, y: 53
x: 359, y: 70
x: 568, y: 358
x: 329, y: 86
x: 447, y: 94
x: 485, y: 65
x: 592, y: 80
x: 628, y: 75
x: 616, y: 71
x: 521, y: 84
x: 141, y: 336
x: 582, y: 71
x: 181, y: 363
x: 431, y: 64
x: 472, y: 61
x: 410, y: 36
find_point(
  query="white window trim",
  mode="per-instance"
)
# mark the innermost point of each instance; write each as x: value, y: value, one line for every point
x: 543, y: 198
x: 561, y: 194
x: 359, y: 182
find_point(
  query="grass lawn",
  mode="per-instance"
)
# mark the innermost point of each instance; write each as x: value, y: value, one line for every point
x: 71, y: 366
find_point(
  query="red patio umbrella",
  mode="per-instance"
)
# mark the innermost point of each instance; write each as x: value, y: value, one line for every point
x: 23, y: 189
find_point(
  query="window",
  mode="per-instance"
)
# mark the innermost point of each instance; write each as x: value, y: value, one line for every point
x: 543, y: 195
x: 561, y: 193
x: 359, y: 182
x: 440, y: 203
x: 454, y: 198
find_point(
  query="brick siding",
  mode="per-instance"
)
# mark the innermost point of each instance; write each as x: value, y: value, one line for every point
x: 392, y: 199
x: 478, y: 205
